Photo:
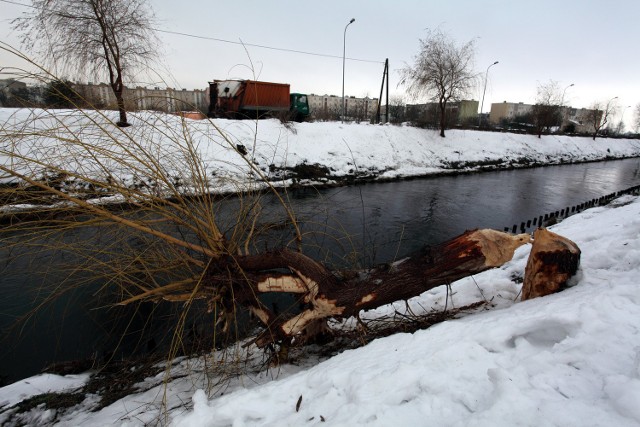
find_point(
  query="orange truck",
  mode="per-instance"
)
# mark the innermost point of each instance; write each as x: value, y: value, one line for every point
x: 253, y: 99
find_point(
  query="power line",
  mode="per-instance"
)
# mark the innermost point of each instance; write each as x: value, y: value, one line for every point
x: 264, y: 46
x: 302, y: 52
x: 16, y: 3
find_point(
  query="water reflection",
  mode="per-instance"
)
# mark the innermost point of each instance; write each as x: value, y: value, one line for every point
x: 392, y: 219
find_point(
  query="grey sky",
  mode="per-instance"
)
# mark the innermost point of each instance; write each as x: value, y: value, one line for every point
x: 591, y: 43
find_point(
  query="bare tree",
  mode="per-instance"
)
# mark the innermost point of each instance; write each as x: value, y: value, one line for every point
x: 547, y: 110
x: 106, y: 38
x: 442, y: 70
x: 636, y: 118
x: 599, y: 115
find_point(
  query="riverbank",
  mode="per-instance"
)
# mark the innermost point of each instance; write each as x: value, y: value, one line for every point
x: 551, y: 360
x: 79, y: 151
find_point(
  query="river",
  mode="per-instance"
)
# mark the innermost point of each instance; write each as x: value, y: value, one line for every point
x: 356, y: 225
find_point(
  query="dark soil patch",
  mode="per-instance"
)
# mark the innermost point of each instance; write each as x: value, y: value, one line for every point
x: 113, y: 382
x: 120, y: 379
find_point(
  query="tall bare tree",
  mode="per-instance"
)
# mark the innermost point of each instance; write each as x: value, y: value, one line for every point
x: 102, y: 38
x: 442, y: 70
x: 546, y: 111
x: 599, y: 115
x: 636, y: 118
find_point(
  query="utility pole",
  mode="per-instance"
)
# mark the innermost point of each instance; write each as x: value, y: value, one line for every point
x: 385, y: 75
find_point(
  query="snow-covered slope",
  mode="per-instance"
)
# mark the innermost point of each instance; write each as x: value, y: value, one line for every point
x: 341, y: 150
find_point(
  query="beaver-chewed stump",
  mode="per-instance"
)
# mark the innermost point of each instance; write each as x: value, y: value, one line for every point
x: 553, y: 261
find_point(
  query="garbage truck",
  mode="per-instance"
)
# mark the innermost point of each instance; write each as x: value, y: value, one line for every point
x: 251, y: 99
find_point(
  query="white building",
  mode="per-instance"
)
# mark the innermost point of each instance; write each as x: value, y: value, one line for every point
x: 329, y: 107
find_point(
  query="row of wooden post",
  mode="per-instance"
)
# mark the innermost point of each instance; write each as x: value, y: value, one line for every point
x: 552, y: 217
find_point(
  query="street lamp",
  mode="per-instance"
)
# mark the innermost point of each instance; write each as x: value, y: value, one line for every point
x: 344, y: 49
x: 622, y: 118
x: 609, y: 106
x: 563, y: 93
x: 562, y: 106
x: 484, y: 91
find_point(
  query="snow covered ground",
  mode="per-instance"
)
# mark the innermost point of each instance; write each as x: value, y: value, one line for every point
x: 57, y: 139
x: 569, y: 359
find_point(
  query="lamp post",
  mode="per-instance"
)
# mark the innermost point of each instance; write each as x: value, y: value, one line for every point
x: 562, y: 105
x: 344, y: 50
x: 622, y: 118
x: 486, y: 76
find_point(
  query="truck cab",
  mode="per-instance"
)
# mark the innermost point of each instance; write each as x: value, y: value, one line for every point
x: 299, y: 106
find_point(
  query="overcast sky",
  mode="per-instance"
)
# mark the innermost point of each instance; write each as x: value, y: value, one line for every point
x: 590, y: 43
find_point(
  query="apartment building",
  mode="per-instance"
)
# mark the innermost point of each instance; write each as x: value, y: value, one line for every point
x: 508, y: 111
x: 329, y: 107
x: 578, y: 120
x: 168, y: 100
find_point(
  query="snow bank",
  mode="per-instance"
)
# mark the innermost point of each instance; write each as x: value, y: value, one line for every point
x: 272, y: 149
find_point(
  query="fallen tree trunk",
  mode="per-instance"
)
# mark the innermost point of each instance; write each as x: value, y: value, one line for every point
x: 325, y: 294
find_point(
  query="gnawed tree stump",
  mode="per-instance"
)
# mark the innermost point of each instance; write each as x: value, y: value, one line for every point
x: 554, y: 259
x: 325, y: 294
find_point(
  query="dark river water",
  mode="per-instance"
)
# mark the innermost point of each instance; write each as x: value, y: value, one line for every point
x: 357, y: 225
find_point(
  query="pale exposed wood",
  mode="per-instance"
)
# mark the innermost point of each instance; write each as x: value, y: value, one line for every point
x: 498, y: 247
x: 554, y: 259
x: 283, y: 284
x: 322, y: 308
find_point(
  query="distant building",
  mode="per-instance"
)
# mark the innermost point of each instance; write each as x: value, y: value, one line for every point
x: 508, y: 111
x: 578, y: 120
x: 168, y: 100
x: 329, y: 107
x: 467, y: 110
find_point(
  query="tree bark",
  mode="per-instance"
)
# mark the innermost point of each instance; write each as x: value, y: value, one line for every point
x: 325, y: 294
x: 443, y: 117
x: 553, y: 261
x: 118, y: 90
